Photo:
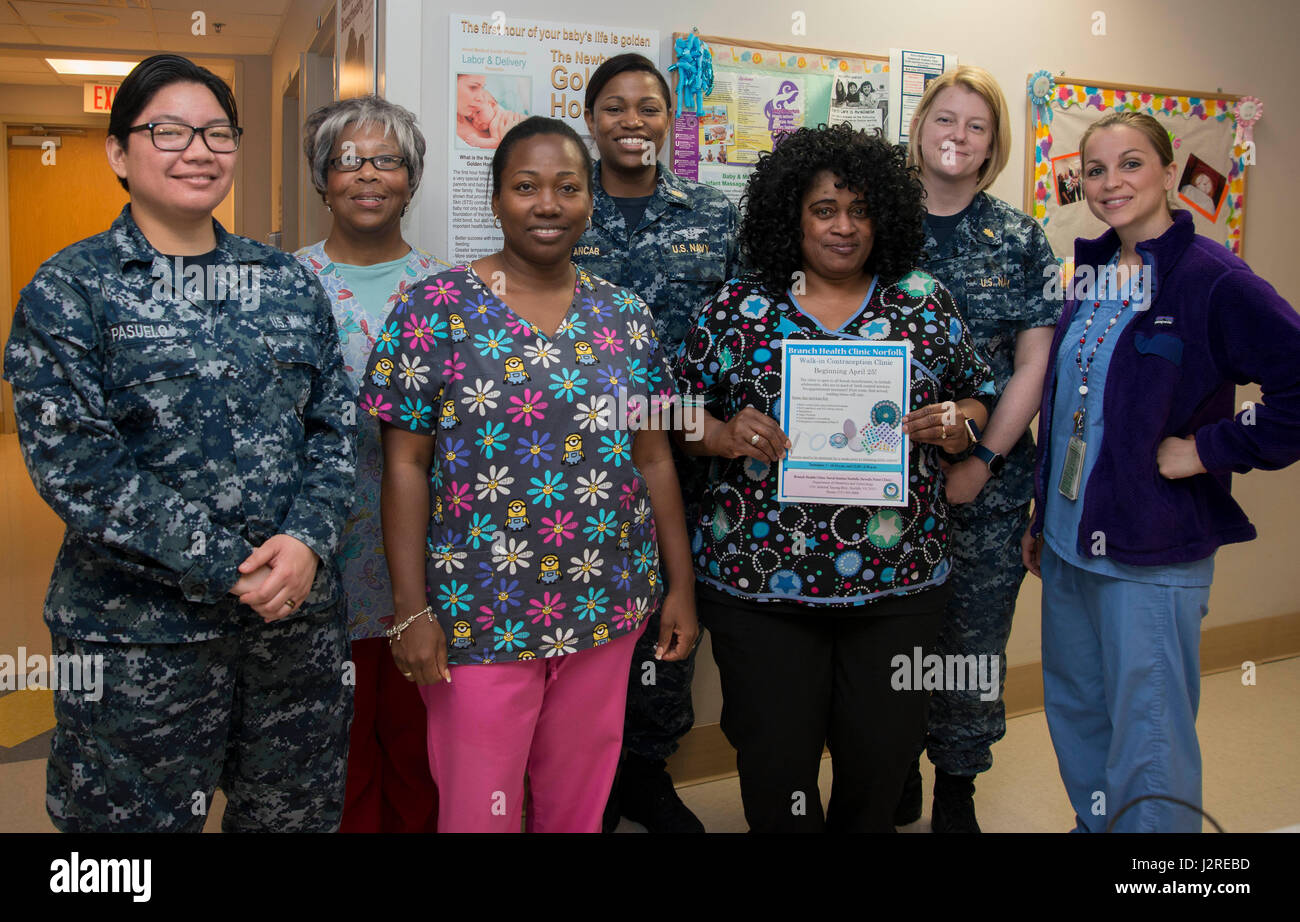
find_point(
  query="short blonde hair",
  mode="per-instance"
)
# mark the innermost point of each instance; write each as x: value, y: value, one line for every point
x: 980, y: 82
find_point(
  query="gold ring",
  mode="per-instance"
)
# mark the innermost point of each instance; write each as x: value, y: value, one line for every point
x: 290, y: 602
x: 407, y: 674
x: 945, y: 433
x: 753, y: 439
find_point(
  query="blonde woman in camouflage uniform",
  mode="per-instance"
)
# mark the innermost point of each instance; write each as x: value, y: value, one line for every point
x: 992, y: 258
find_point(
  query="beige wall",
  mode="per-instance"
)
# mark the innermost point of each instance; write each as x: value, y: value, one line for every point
x: 253, y: 187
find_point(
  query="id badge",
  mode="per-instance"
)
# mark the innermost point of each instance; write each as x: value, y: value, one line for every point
x: 1072, y: 470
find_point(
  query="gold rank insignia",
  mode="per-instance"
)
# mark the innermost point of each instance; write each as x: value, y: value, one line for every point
x: 988, y: 232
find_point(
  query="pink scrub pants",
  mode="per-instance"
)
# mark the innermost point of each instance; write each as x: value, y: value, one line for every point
x: 560, y: 720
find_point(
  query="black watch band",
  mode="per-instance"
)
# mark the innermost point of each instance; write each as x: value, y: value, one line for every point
x: 992, y: 459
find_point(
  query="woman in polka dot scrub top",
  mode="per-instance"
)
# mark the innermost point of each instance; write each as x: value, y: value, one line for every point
x: 810, y: 605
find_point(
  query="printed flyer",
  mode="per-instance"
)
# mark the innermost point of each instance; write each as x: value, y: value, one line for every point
x: 843, y: 411
x: 501, y: 71
x: 914, y: 70
x: 743, y: 116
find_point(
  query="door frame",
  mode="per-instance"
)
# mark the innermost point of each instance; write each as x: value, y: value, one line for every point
x: 89, y: 121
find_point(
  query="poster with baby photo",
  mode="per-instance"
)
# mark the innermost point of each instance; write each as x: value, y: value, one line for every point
x: 489, y: 105
x: 501, y: 69
x: 1201, y: 187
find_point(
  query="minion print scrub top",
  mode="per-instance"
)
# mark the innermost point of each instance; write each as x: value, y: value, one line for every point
x: 542, y: 542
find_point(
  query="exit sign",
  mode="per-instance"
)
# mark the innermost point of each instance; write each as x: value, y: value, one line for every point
x: 98, y: 97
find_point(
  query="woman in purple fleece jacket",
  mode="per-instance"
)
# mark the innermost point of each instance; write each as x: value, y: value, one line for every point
x: 1136, y: 445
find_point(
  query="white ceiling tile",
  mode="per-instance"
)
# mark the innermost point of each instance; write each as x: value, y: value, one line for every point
x: 31, y: 79
x: 185, y: 43
x: 234, y: 24
x: 211, y: 7
x: 98, y: 38
x: 17, y: 35
x: 22, y: 62
x: 83, y: 16
x: 225, y: 7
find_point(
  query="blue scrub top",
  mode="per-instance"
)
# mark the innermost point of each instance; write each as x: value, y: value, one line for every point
x: 1062, y: 515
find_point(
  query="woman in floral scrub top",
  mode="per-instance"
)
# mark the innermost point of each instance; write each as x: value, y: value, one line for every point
x: 542, y: 553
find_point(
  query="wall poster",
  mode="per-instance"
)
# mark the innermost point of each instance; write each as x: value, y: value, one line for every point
x: 500, y: 71
x: 354, y: 48
x: 761, y: 90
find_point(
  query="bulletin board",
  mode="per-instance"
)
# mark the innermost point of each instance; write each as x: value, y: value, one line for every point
x: 1211, y: 182
x: 762, y: 89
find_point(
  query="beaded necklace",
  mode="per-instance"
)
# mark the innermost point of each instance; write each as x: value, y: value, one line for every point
x: 1135, y: 295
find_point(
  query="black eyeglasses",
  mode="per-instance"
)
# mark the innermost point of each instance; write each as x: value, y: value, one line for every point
x: 350, y: 163
x: 174, y: 136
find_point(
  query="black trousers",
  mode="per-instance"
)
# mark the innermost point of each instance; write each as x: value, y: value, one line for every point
x: 793, y: 683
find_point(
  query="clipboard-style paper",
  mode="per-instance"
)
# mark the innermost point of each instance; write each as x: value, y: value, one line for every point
x: 843, y: 407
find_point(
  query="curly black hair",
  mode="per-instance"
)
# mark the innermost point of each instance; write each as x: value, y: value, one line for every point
x: 770, y: 236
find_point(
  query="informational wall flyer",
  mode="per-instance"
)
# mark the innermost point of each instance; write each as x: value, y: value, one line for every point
x: 761, y: 93
x: 501, y: 70
x: 912, y: 72
x: 843, y: 409
x: 743, y: 117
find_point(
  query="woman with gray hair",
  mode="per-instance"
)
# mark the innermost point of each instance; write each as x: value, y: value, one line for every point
x: 366, y: 156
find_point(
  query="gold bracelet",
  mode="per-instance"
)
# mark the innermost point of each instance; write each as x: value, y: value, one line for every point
x: 395, y: 633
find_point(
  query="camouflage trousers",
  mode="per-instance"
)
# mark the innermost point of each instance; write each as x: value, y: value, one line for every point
x: 263, y: 714
x: 659, y: 710
x: 986, y: 573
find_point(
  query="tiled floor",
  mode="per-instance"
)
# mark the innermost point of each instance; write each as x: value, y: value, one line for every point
x: 1248, y: 735
x: 1249, y: 744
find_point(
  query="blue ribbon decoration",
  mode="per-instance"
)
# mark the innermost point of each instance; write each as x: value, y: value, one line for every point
x: 1040, y: 89
x: 694, y: 72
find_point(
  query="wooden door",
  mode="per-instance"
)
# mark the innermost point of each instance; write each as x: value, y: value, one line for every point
x: 52, y: 205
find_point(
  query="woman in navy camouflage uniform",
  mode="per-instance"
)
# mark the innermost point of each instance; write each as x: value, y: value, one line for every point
x: 995, y: 261
x: 673, y: 242
x: 191, y: 427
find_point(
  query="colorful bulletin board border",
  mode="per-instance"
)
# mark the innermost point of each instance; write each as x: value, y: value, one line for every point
x: 733, y: 52
x: 1105, y: 97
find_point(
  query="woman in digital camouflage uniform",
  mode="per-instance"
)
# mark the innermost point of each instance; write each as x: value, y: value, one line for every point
x: 182, y: 406
x: 993, y: 259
